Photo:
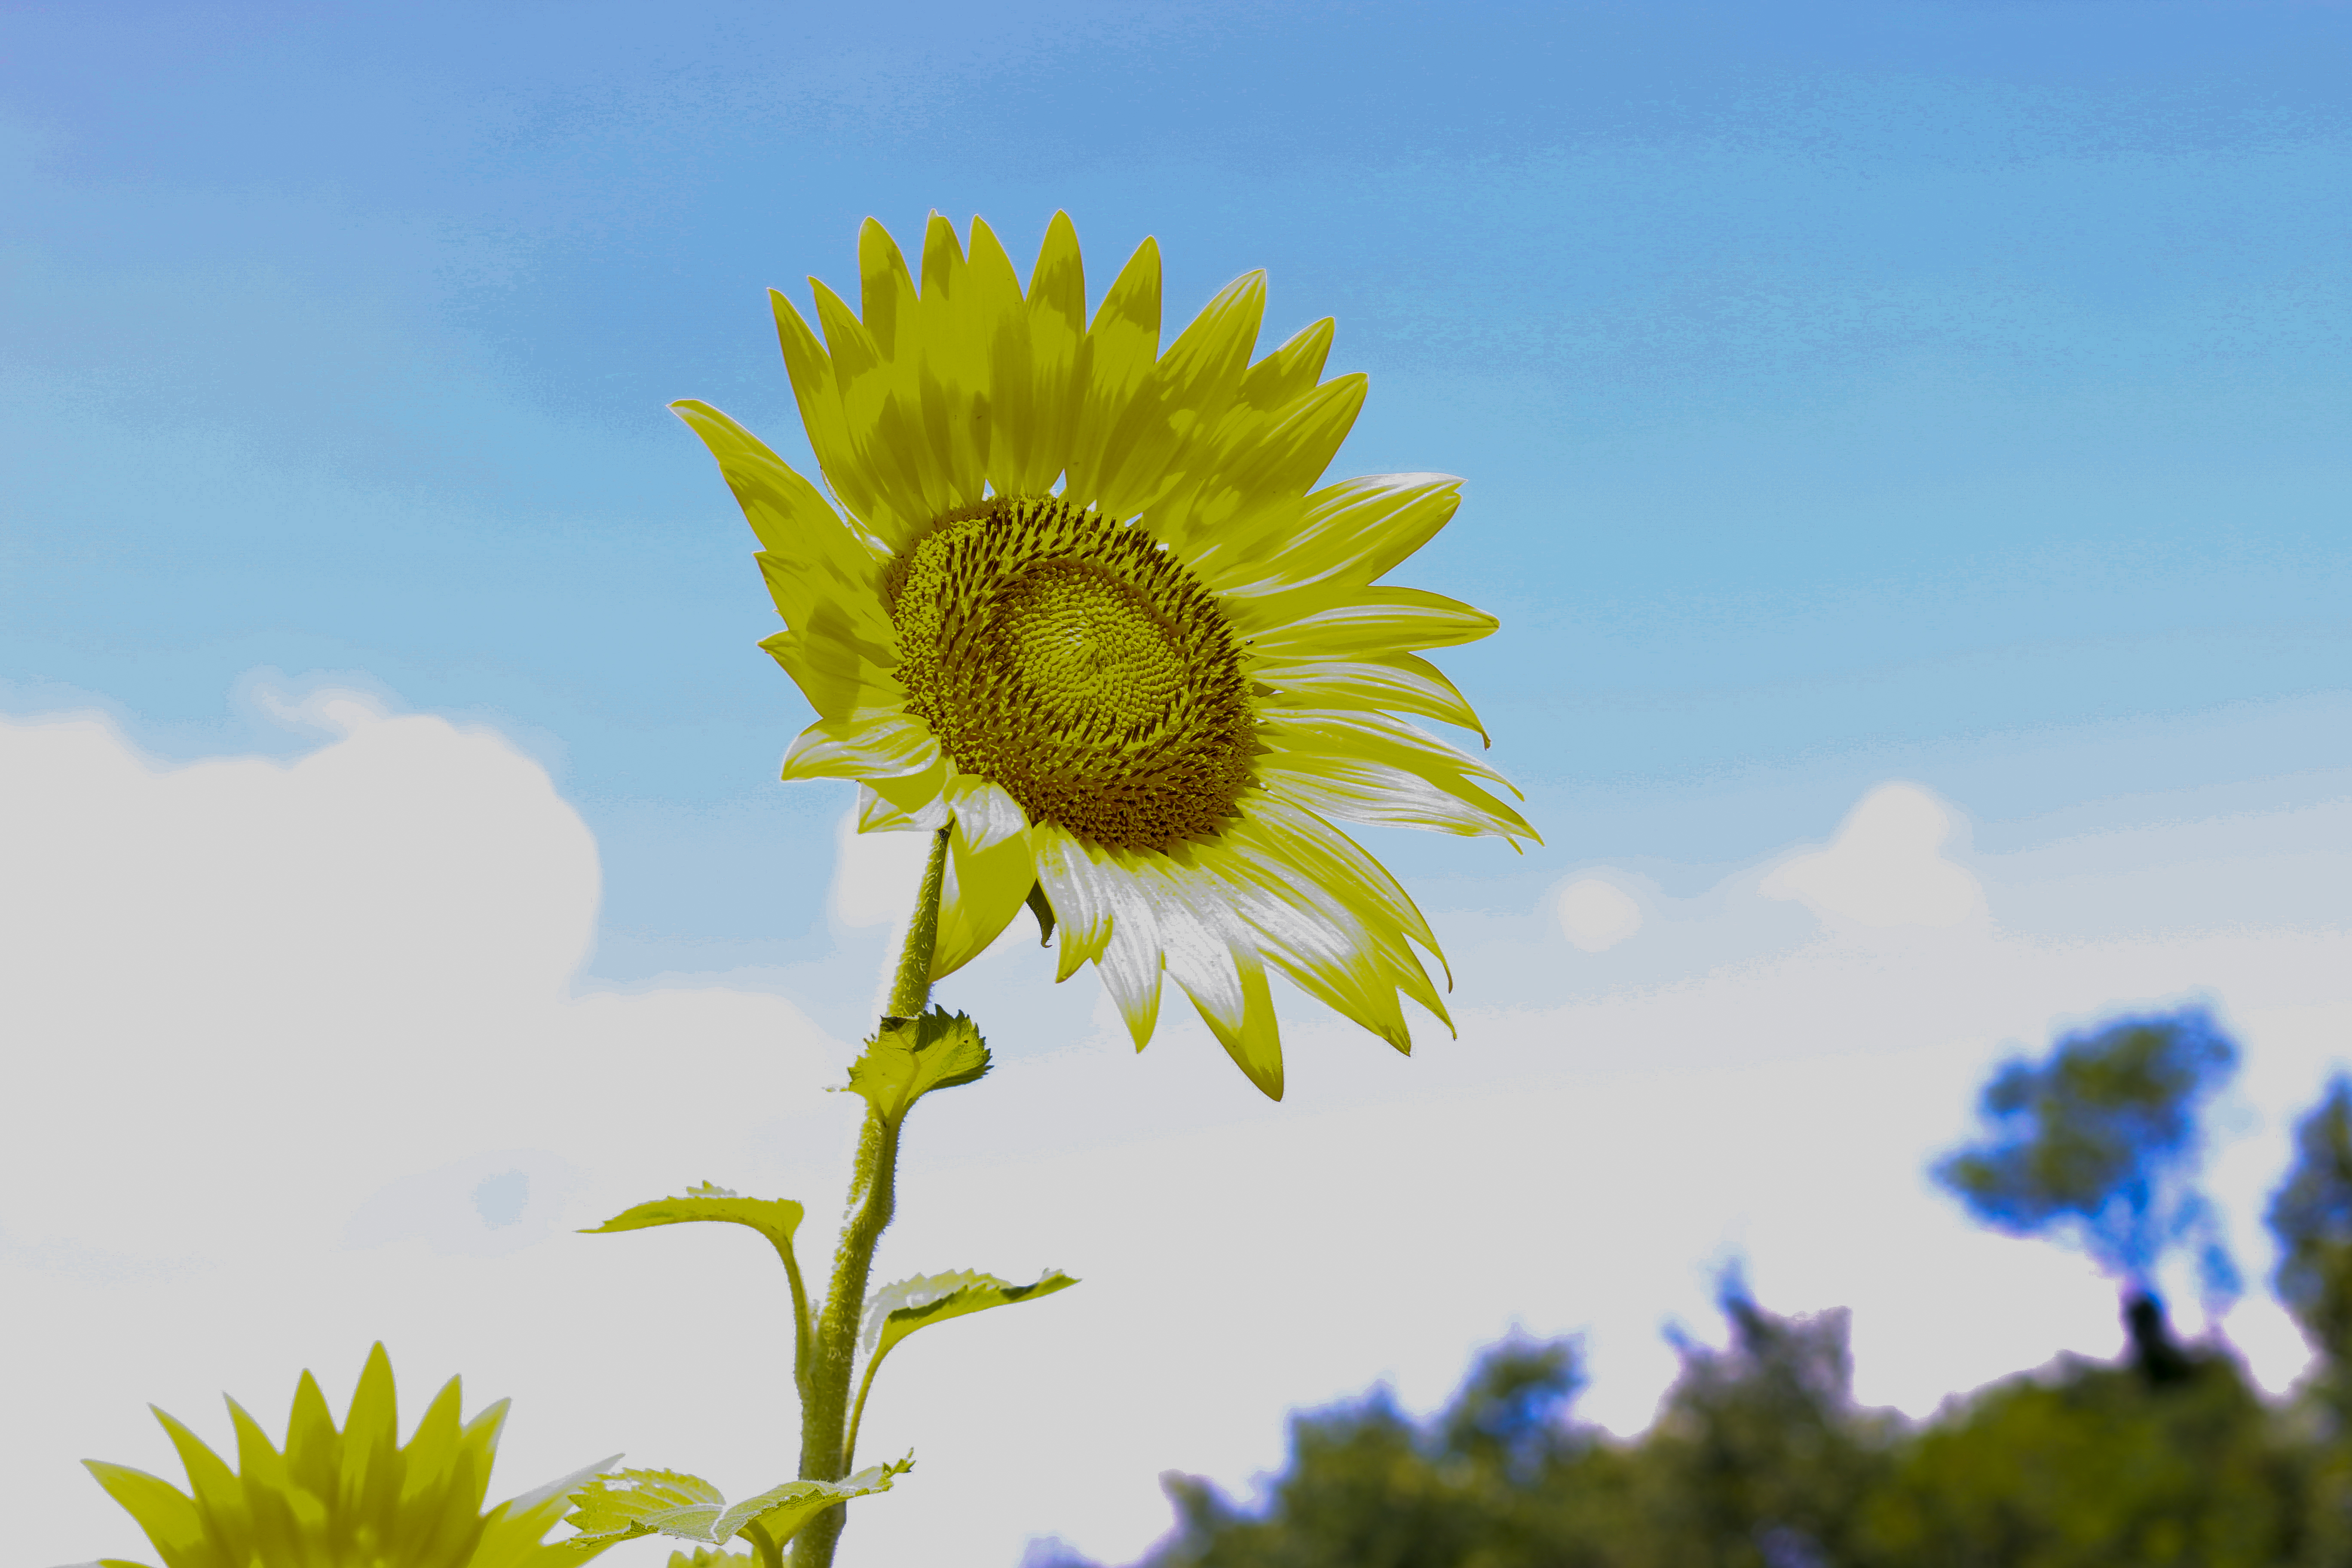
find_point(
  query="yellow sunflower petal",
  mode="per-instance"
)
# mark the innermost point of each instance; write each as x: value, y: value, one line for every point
x: 901, y: 802
x: 885, y: 452
x: 1398, y: 683
x: 1324, y: 948
x: 865, y: 745
x: 1213, y: 956
x: 818, y: 561
x: 1391, y: 797
x: 1132, y: 961
x: 1256, y: 499
x: 818, y: 394
x: 1180, y: 402
x: 985, y: 889
x: 951, y: 367
x: 1282, y: 833
x: 1075, y: 887
x: 1117, y: 357
x: 985, y: 811
x: 1057, y: 308
x: 1291, y: 371
x: 1347, y: 534
x: 1001, y: 338
x: 834, y: 674
x: 1373, y: 737
x: 1346, y: 622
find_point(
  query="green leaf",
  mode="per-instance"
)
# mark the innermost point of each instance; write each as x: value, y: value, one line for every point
x: 703, y: 1557
x: 896, y: 1310
x: 666, y: 1503
x: 630, y: 1503
x: 911, y: 1056
x: 775, y: 1218
x: 779, y: 1511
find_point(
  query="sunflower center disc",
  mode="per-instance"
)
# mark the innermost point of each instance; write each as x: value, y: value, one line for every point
x: 1078, y: 665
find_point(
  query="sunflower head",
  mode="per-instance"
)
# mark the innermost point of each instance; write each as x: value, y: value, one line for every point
x: 349, y: 1499
x: 1084, y: 599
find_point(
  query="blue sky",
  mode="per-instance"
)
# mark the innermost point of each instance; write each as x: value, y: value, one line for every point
x: 1835, y: 385
x: 1905, y: 445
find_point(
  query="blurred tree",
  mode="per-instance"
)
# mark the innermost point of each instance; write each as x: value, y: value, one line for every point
x: 1759, y: 1457
x: 2311, y: 1215
x: 2088, y: 1465
x: 2099, y: 1144
x: 1498, y: 1479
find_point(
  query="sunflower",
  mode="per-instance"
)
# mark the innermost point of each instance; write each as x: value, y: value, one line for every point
x: 352, y: 1499
x: 1081, y: 600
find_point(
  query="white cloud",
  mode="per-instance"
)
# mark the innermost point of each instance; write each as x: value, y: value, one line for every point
x: 1886, y: 868
x: 305, y: 1072
x: 1595, y: 916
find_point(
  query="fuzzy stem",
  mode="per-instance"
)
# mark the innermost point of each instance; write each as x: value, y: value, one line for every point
x: 824, y: 1453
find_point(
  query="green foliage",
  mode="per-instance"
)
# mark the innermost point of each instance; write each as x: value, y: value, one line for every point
x: 775, y: 1218
x: 2088, y: 1465
x: 1759, y: 1459
x: 632, y: 1503
x: 1759, y: 1454
x: 896, y: 1310
x: 2311, y: 1214
x: 2098, y: 1142
x: 910, y: 1058
x: 350, y: 1496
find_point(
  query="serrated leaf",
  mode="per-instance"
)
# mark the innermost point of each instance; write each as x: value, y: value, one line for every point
x: 775, y: 1218
x: 667, y: 1502
x: 642, y: 1502
x: 911, y: 1056
x: 704, y: 1557
x: 779, y: 1511
x: 896, y: 1310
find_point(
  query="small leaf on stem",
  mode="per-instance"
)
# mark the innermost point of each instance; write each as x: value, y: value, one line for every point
x: 896, y: 1310
x: 911, y: 1056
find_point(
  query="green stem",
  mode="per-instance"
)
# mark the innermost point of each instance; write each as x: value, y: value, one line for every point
x: 825, y: 1448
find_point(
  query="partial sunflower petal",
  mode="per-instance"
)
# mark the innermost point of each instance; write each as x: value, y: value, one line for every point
x: 904, y: 802
x: 1290, y: 372
x: 984, y: 811
x: 1132, y: 961
x: 1181, y: 401
x: 1213, y: 956
x: 951, y: 369
x: 1057, y: 308
x: 818, y: 394
x: 1119, y: 353
x: 865, y: 745
x: 1397, y: 683
x: 985, y: 889
x: 821, y: 556
x: 886, y: 450
x: 1075, y: 887
x: 1287, y: 834
x: 1007, y: 407
x: 1252, y: 506
x: 1373, y: 737
x: 1348, y: 623
x: 1391, y: 797
x: 835, y: 677
x: 1348, y: 534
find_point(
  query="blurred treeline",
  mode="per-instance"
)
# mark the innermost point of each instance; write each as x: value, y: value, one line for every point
x: 1760, y: 1459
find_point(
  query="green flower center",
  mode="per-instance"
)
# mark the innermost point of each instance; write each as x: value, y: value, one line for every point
x: 1075, y: 662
